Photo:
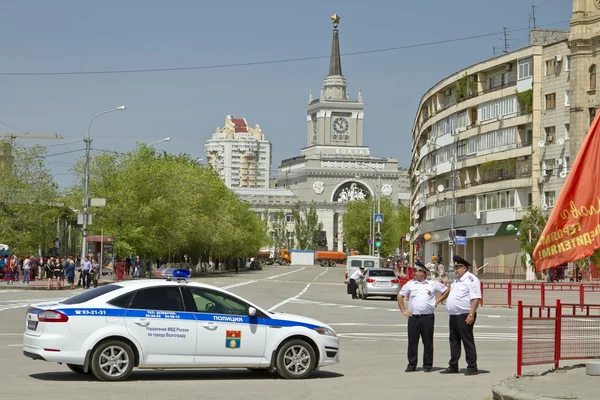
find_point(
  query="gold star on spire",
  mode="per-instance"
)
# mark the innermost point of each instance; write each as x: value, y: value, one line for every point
x: 335, y: 19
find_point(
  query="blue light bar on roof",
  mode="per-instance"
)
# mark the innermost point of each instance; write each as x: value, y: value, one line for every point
x: 181, y: 273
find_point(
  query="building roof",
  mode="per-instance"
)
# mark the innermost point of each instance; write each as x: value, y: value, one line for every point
x: 335, y: 63
x: 264, y: 192
x: 240, y: 124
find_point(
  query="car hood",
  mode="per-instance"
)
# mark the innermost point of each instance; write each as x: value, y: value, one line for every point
x: 299, y: 320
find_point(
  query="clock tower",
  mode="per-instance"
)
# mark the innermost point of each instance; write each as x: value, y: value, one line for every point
x: 334, y: 119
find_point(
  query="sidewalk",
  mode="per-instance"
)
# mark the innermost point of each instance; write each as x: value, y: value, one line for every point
x: 565, y: 383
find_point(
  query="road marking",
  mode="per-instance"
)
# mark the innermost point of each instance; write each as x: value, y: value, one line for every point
x: 11, y: 334
x: 11, y: 291
x: 402, y: 337
x: 14, y: 345
x: 290, y: 299
x: 326, y: 269
x: 287, y: 273
x: 237, y: 285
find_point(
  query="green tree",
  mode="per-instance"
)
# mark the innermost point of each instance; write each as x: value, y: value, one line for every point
x: 279, y: 229
x: 160, y: 204
x: 307, y: 226
x: 533, y: 224
x: 30, y: 202
x: 356, y: 221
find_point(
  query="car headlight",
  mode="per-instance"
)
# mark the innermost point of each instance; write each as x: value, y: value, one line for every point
x: 326, y: 331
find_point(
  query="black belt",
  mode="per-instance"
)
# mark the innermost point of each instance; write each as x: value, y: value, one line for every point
x: 421, y: 315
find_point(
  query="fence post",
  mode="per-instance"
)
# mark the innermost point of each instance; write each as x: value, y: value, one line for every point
x: 520, y: 338
x: 581, y: 296
x: 509, y: 294
x: 481, y: 289
x: 543, y: 294
x: 557, y: 334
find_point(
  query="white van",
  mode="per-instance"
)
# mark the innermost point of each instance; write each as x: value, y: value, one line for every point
x: 355, y: 262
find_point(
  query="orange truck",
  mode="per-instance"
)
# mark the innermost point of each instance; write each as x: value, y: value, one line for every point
x: 323, y: 258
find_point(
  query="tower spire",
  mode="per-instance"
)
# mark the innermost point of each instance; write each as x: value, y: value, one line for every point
x: 334, y: 87
x: 335, y: 63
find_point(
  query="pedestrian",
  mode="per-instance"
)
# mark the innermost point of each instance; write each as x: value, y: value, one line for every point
x: 48, y: 271
x: 26, y: 270
x: 463, y: 299
x: 86, y: 270
x: 354, y: 278
x: 421, y: 318
x: 441, y: 270
x: 69, y: 272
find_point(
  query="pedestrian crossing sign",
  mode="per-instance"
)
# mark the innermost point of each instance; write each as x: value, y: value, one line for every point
x: 379, y: 218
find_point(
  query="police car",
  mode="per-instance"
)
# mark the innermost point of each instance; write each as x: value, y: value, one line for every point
x: 152, y: 324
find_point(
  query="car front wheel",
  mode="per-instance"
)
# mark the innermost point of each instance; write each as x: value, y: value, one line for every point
x: 112, y: 361
x: 296, y: 359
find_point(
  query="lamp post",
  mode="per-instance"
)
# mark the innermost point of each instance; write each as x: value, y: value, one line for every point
x: 378, y: 195
x: 86, y: 200
x: 431, y: 143
x: 167, y: 139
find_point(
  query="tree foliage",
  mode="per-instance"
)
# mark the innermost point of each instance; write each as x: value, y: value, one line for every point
x: 307, y: 226
x: 356, y: 225
x: 30, y: 202
x: 534, y: 221
x: 279, y: 229
x: 160, y: 204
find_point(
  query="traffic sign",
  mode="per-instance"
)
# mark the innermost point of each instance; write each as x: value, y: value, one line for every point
x: 370, y: 241
x: 379, y: 218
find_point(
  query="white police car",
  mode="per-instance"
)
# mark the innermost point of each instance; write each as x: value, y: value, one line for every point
x: 173, y: 324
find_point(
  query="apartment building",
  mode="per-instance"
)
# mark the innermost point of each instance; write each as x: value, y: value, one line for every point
x: 240, y: 154
x: 489, y: 142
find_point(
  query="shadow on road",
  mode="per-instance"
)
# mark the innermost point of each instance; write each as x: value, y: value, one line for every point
x: 179, y: 375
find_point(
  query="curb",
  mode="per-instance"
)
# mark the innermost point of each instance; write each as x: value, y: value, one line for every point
x: 42, y: 287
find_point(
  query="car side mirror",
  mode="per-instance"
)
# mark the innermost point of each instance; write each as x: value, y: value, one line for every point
x: 252, y: 311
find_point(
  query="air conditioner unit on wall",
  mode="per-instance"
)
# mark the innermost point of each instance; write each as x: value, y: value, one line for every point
x: 549, y: 139
x: 508, y: 67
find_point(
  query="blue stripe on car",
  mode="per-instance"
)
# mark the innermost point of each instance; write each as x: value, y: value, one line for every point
x: 180, y: 315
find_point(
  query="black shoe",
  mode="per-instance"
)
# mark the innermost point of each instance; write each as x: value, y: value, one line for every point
x: 471, y: 371
x: 449, y: 370
x: 410, y: 368
x: 426, y: 369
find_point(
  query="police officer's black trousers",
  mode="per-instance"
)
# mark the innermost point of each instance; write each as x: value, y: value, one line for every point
x: 421, y: 326
x: 460, y: 331
x: 352, y: 288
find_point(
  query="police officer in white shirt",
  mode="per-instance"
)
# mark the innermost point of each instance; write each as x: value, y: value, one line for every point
x: 421, y: 319
x: 354, y: 278
x: 463, y: 299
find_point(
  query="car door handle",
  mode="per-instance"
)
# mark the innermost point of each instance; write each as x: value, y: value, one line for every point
x: 142, y: 322
x: 211, y: 326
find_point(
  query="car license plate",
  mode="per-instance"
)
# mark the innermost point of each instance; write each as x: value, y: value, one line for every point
x: 32, y: 325
x: 383, y: 284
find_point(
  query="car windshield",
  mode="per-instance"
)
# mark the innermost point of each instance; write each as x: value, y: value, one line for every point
x: 381, y: 273
x: 91, y: 294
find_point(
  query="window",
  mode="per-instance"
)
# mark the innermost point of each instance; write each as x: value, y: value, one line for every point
x: 213, y: 302
x: 497, y: 108
x: 165, y: 298
x: 567, y: 130
x: 550, y: 67
x: 550, y: 131
x: 91, y: 294
x: 273, y: 235
x: 497, y: 200
x: 549, y: 196
x: 290, y: 240
x: 567, y: 98
x: 525, y: 68
x: 593, y: 77
x: 550, y: 101
x: 549, y: 166
x: 123, y: 301
x: 388, y: 273
x: 289, y: 217
x: 592, y: 111
x: 259, y: 215
x: 567, y: 63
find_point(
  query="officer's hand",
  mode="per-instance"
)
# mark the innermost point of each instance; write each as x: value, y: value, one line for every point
x: 407, y: 314
x: 470, y: 319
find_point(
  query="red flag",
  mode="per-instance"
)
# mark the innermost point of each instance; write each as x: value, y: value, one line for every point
x: 573, y: 229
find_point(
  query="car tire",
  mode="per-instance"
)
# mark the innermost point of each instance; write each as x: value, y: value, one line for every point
x: 296, y: 359
x: 78, y: 369
x: 112, y: 361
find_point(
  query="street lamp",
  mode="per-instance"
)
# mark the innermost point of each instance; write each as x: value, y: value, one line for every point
x: 167, y: 139
x: 86, y: 200
x: 378, y: 195
x: 431, y: 143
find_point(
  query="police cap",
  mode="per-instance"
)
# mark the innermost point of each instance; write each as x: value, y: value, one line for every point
x: 420, y: 266
x: 460, y: 262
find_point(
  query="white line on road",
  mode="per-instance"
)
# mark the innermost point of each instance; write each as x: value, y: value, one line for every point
x: 237, y: 285
x: 14, y: 345
x: 290, y: 299
x: 11, y: 334
x: 326, y: 269
x: 287, y: 273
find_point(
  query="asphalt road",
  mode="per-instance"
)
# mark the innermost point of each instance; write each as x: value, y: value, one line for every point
x: 373, y: 350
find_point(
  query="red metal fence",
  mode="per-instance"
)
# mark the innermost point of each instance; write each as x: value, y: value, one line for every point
x: 549, y: 334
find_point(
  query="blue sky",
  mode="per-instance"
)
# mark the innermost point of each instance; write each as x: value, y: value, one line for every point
x: 70, y: 35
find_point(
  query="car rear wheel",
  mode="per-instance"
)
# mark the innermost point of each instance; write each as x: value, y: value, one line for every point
x: 296, y: 359
x: 112, y: 361
x: 78, y: 369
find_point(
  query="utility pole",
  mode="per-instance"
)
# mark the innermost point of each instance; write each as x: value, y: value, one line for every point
x: 533, y: 15
x: 505, y: 40
x: 378, y: 207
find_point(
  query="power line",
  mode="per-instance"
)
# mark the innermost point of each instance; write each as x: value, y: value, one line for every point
x: 265, y: 62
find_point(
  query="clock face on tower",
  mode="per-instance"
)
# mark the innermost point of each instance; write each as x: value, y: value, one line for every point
x: 340, y: 126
